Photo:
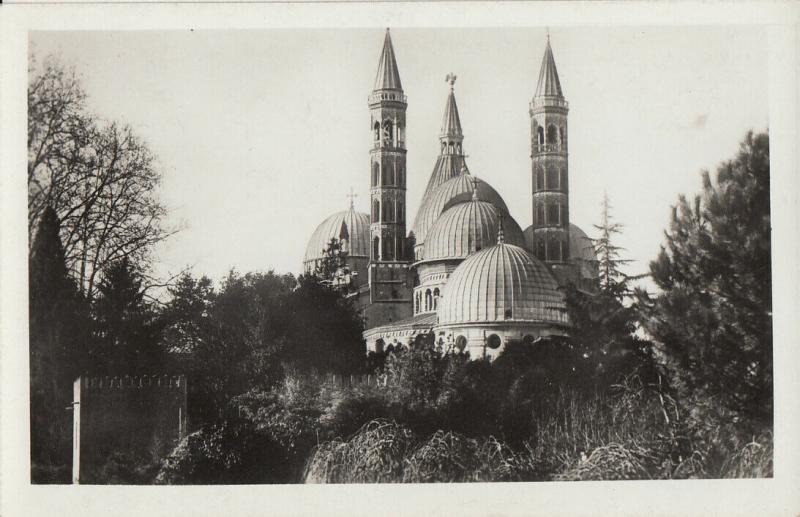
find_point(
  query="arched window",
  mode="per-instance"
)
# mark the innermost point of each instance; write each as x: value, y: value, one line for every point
x: 376, y: 210
x: 387, y: 131
x: 401, y: 137
x: 540, y: 251
x: 388, y: 211
x: 553, y: 214
x: 552, y: 178
x: 428, y: 300
x: 376, y: 248
x: 461, y: 343
x: 387, y: 250
x: 494, y: 341
x: 416, y: 303
x: 552, y: 134
x: 540, y: 135
x: 377, y: 132
x: 379, y: 346
x: 436, y: 298
x: 375, y: 174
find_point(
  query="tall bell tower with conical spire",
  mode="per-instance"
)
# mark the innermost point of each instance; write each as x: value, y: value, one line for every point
x: 389, y: 274
x: 550, y: 178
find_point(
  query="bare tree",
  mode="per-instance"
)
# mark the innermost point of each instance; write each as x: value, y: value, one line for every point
x: 101, y: 179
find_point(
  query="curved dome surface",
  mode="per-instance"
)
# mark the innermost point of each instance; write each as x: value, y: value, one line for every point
x: 468, y: 227
x: 348, y: 225
x: 503, y: 283
x: 581, y: 250
x: 452, y: 191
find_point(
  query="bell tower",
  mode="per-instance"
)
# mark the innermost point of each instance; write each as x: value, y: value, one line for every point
x: 387, y: 106
x: 549, y: 165
x: 390, y: 278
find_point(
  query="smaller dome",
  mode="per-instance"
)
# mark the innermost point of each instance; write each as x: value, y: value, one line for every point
x: 504, y: 283
x: 455, y: 190
x: 467, y: 227
x: 349, y: 226
x: 581, y: 251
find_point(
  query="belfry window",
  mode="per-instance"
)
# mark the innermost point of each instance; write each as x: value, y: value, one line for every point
x: 540, y: 135
x: 387, y: 132
x: 552, y: 134
x: 428, y: 300
x: 376, y: 248
x: 377, y: 132
x: 436, y: 298
x: 552, y: 178
x: 553, y: 214
x: 376, y: 211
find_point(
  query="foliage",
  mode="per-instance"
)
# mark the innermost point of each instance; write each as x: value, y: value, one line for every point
x: 713, y: 315
x: 101, y: 180
x: 232, y: 451
x: 126, y: 326
x: 58, y: 322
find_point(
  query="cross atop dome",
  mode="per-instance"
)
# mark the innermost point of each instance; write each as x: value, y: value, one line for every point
x: 352, y: 195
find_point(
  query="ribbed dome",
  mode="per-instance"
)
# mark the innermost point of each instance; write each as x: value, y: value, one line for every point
x: 467, y: 227
x: 350, y: 225
x: 454, y: 190
x: 581, y: 250
x: 502, y: 283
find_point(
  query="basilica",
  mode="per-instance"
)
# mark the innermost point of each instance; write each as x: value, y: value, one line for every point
x: 465, y: 276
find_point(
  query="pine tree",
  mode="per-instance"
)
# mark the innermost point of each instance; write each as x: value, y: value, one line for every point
x: 612, y: 280
x: 332, y: 268
x: 126, y: 328
x: 57, y: 336
x: 713, y: 315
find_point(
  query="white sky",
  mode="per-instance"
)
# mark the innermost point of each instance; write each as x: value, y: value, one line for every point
x: 261, y: 134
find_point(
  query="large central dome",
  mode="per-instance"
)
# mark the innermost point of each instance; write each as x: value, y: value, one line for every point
x: 503, y: 283
x: 468, y: 227
x: 454, y: 190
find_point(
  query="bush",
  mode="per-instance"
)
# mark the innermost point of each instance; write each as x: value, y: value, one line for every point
x: 232, y: 452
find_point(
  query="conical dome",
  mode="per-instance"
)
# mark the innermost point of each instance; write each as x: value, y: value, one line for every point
x: 387, y: 77
x: 455, y: 190
x: 350, y: 226
x: 467, y: 227
x: 503, y: 283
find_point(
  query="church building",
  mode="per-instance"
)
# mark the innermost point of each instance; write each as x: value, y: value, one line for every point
x: 465, y: 275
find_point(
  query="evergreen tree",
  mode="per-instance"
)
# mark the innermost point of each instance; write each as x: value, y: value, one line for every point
x: 713, y: 314
x: 126, y: 328
x: 332, y: 268
x: 603, y: 320
x: 57, y: 335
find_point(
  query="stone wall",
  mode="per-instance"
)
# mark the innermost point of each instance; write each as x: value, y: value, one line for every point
x: 138, y: 416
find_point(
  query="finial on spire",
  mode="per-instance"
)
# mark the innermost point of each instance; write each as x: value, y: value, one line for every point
x: 352, y: 195
x: 501, y: 239
x: 451, y: 78
x: 548, y: 34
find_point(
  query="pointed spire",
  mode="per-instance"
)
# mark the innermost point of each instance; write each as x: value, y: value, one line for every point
x: 451, y: 122
x: 388, y: 77
x: 548, y: 85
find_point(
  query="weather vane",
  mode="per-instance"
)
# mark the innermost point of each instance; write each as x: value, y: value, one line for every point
x: 451, y: 78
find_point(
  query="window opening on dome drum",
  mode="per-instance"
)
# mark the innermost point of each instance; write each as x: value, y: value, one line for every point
x: 494, y: 341
x: 461, y: 343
